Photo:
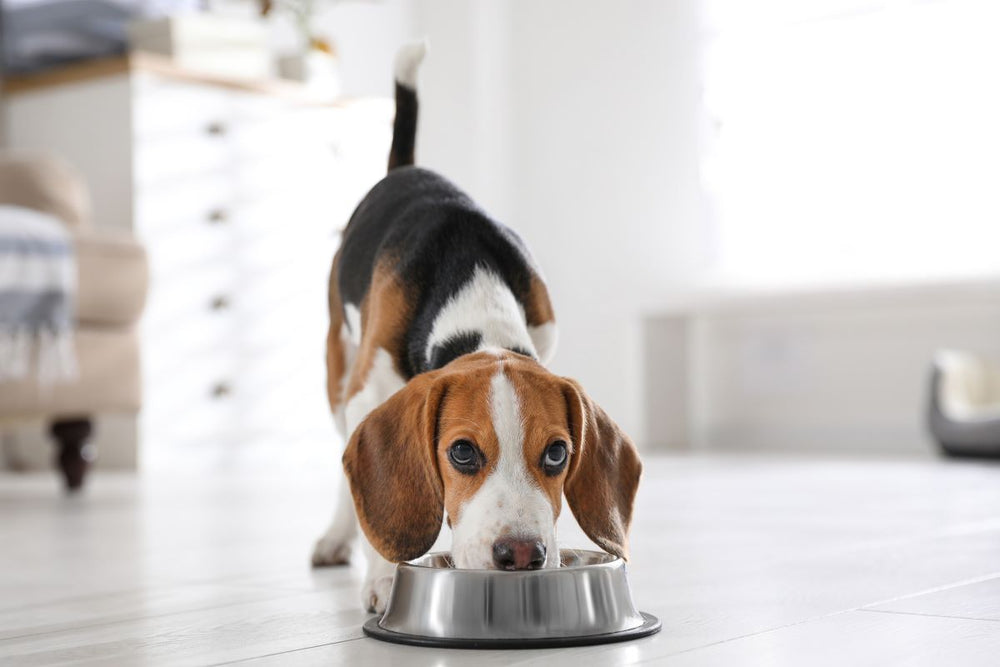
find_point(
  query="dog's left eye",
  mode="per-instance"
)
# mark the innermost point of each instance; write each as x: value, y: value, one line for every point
x: 554, y: 459
x: 465, y: 457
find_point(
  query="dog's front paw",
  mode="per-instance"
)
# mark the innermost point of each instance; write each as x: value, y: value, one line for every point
x: 330, y: 551
x: 375, y: 593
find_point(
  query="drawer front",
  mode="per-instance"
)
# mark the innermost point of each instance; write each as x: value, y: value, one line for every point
x: 191, y: 243
x: 182, y: 128
x: 167, y: 345
x: 166, y: 108
x: 191, y: 309
x: 190, y: 384
x: 204, y: 398
x: 199, y: 198
x: 187, y: 223
x: 168, y: 159
x: 179, y: 129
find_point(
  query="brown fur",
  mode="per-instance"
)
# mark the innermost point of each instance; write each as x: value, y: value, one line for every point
x: 336, y: 360
x: 603, y: 473
x: 385, y: 314
x: 538, y: 307
x: 389, y: 461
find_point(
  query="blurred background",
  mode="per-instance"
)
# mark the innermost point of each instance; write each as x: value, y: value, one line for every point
x: 765, y: 226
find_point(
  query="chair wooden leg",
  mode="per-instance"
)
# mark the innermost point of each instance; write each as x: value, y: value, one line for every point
x: 74, y: 454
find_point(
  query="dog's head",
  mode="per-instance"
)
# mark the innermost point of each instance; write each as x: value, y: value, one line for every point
x: 494, y: 440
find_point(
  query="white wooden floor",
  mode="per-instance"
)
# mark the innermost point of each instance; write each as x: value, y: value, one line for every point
x: 745, y: 560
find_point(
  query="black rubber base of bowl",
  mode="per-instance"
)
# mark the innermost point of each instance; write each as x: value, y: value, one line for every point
x: 650, y: 626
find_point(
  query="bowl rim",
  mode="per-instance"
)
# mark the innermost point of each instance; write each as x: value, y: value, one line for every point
x: 373, y: 628
x: 608, y: 561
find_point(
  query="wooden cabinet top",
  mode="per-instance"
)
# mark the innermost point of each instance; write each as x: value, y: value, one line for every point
x: 140, y: 62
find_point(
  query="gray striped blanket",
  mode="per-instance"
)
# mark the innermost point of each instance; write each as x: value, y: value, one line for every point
x: 37, y: 295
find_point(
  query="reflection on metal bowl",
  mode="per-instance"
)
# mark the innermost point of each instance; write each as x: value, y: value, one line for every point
x: 585, y: 601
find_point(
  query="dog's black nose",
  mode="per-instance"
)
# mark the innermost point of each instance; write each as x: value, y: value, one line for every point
x: 513, y: 554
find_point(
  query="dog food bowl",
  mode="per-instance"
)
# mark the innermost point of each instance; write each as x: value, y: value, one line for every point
x: 585, y: 601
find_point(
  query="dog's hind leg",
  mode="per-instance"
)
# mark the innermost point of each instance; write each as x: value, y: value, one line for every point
x: 336, y: 544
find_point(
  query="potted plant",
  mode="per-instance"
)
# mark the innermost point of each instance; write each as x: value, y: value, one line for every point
x: 315, y: 63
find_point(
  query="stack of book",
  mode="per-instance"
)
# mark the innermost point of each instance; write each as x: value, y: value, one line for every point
x: 223, y: 45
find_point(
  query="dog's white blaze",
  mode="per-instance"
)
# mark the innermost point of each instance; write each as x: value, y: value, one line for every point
x: 484, y: 305
x: 508, y: 502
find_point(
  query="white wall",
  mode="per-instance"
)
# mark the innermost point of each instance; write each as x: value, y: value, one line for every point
x: 367, y: 35
x: 819, y: 370
x: 465, y: 98
x: 578, y: 125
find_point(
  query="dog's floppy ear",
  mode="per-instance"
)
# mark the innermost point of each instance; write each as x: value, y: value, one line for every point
x: 603, y: 473
x: 393, y: 473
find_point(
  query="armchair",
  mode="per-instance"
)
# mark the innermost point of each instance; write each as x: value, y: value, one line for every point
x: 111, y: 292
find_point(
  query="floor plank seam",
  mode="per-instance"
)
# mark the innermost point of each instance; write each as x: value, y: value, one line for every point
x: 292, y: 650
x: 72, y: 600
x: 100, y: 624
x: 934, y: 589
x: 893, y: 543
x: 293, y: 590
x: 919, y: 613
x: 748, y: 635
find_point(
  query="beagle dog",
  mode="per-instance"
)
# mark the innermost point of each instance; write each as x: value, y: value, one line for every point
x: 440, y: 324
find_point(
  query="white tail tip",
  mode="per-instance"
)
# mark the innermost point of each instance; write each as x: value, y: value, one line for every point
x: 408, y: 60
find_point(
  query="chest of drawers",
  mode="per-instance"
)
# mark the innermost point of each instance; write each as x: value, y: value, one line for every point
x: 239, y: 195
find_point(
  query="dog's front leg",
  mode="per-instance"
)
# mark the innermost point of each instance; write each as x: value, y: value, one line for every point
x: 378, y: 579
x: 381, y: 383
x: 335, y: 547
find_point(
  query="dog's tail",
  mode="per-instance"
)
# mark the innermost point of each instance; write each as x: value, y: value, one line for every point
x: 404, y: 128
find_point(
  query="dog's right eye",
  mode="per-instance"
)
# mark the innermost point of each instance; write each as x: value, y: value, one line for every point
x: 465, y: 457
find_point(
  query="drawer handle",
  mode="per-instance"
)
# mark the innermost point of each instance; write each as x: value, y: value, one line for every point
x: 216, y: 129
x: 220, y: 302
x: 218, y: 216
x: 221, y: 390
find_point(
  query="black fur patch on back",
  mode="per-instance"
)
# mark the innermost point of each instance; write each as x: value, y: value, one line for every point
x: 459, y: 344
x: 434, y: 237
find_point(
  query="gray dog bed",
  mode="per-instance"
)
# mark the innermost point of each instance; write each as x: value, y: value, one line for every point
x: 964, y: 406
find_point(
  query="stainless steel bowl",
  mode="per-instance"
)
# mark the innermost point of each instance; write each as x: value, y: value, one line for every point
x: 585, y: 601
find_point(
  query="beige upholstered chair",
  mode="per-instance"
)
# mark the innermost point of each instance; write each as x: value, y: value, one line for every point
x: 111, y: 294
